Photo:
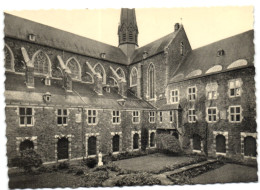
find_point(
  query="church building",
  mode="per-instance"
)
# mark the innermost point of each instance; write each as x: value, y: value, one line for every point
x: 69, y: 97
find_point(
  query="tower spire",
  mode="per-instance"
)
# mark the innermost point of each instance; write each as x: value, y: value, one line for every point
x: 128, y: 31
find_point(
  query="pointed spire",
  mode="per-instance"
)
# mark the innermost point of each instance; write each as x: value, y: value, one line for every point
x: 127, y: 29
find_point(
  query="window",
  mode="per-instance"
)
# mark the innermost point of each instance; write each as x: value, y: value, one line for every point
x: 152, y: 117
x: 133, y: 77
x: 212, y: 95
x: 62, y: 118
x: 181, y: 48
x: 192, y: 116
x: 26, y: 116
x: 136, y: 117
x: 92, y: 117
x: 160, y: 117
x: 41, y: 62
x: 151, y: 81
x: 235, y: 88
x: 191, y: 93
x: 175, y: 96
x: 235, y: 114
x: 212, y: 115
x: 74, y: 67
x: 211, y: 90
x: 116, y: 117
x: 171, y: 116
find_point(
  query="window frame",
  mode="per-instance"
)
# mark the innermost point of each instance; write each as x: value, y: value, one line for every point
x: 171, y: 116
x: 131, y: 80
x: 174, y: 97
x: 235, y: 113
x: 160, y: 116
x: 235, y: 87
x: 25, y: 117
x: 62, y: 116
x: 134, y: 116
x: 192, y: 93
x: 91, y: 116
x: 193, y: 115
x: 212, y: 115
x: 116, y: 116
x: 152, y: 117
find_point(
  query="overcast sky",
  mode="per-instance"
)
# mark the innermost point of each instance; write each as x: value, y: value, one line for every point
x: 202, y: 25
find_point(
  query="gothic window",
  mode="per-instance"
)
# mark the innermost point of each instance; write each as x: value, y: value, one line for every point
x: 250, y: 146
x: 151, y: 81
x: 120, y: 72
x: 63, y: 148
x: 92, y: 146
x: 196, y: 142
x: 88, y: 78
x: 152, y: 139
x: 74, y: 67
x: 133, y: 77
x: 116, y: 142
x: 100, y: 69
x: 9, y: 59
x: 136, y: 141
x: 41, y: 63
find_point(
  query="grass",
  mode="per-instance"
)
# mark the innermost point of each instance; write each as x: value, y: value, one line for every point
x: 152, y: 163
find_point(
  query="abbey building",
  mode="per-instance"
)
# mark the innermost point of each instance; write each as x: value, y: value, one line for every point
x: 70, y: 97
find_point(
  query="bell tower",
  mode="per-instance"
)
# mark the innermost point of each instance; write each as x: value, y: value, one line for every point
x: 128, y: 31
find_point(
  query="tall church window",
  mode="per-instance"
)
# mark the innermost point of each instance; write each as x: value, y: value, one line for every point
x: 133, y: 77
x: 9, y: 58
x: 151, y: 81
x: 100, y: 69
x: 41, y: 63
x: 74, y: 67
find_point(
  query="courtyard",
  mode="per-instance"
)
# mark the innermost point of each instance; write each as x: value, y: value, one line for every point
x: 150, y: 169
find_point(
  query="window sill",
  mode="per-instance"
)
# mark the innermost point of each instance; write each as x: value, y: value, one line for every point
x: 136, y: 149
x: 63, y: 160
x: 26, y: 125
x: 91, y: 156
x: 115, y: 153
x: 221, y: 153
x: 197, y: 151
x: 250, y: 157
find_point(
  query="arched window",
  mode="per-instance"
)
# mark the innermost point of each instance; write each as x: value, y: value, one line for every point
x: 250, y: 146
x: 133, y: 77
x: 9, y: 58
x: 100, y: 69
x: 112, y: 82
x: 152, y: 139
x: 196, y: 142
x: 87, y: 78
x: 26, y: 145
x: 136, y: 141
x: 41, y: 62
x: 74, y: 66
x: 116, y: 139
x: 63, y: 148
x: 151, y: 81
x: 120, y: 72
x: 92, y: 145
x: 220, y: 144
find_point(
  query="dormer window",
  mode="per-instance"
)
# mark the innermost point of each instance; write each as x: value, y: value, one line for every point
x: 47, y: 97
x: 121, y: 102
x: 32, y: 37
x: 103, y: 55
x: 220, y: 52
x: 145, y: 54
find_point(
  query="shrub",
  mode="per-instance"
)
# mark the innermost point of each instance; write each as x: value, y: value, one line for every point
x: 107, y: 158
x: 137, y: 179
x: 168, y: 143
x: 63, y: 165
x: 80, y: 172
x: 111, y: 166
x: 95, y: 179
x: 29, y: 159
x: 90, y: 162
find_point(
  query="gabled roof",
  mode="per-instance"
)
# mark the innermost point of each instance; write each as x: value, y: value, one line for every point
x: 205, y: 60
x: 154, y: 47
x: 20, y: 28
x: 82, y: 95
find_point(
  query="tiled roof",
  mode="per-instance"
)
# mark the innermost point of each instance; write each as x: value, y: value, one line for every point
x: 20, y: 28
x: 83, y: 94
x: 154, y: 47
x: 238, y: 47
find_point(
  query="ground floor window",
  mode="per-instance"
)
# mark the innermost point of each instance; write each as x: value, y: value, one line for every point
x: 220, y: 144
x: 116, y: 142
x: 152, y: 139
x: 136, y: 141
x: 92, y: 145
x: 196, y: 142
x: 250, y: 146
x: 26, y: 145
x: 63, y: 148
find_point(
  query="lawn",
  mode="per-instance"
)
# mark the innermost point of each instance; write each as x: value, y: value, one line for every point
x: 152, y: 162
x: 229, y: 173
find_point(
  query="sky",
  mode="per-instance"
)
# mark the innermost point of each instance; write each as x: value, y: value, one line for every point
x: 202, y: 25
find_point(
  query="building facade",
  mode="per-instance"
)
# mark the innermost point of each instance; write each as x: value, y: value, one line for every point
x: 70, y: 97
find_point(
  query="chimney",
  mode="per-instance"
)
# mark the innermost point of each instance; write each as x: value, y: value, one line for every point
x: 176, y: 27
x: 122, y: 88
x: 98, y: 86
x: 29, y: 72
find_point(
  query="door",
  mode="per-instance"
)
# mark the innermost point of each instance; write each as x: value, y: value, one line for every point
x: 63, y: 148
